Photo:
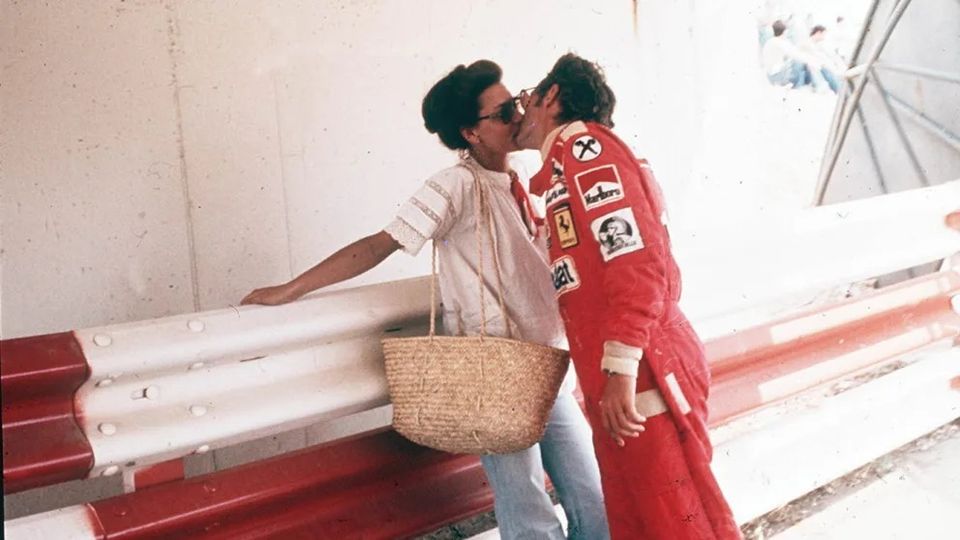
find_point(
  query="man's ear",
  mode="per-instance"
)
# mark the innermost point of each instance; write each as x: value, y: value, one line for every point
x: 552, y: 94
x: 470, y: 134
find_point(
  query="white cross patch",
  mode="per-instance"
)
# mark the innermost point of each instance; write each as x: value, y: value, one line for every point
x: 586, y: 148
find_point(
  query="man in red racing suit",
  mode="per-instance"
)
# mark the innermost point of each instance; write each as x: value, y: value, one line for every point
x: 641, y: 366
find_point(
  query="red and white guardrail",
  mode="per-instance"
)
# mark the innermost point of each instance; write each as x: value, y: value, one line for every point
x: 152, y: 392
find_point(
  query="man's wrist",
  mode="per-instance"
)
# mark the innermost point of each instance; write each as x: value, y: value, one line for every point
x: 620, y: 366
x: 621, y: 359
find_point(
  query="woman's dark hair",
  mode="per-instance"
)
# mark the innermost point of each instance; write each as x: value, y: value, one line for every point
x: 454, y: 102
x: 584, y: 93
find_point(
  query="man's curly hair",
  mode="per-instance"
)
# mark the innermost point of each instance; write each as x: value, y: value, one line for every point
x: 584, y: 94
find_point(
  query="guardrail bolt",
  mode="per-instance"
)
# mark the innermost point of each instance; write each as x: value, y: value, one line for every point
x: 198, y: 410
x: 107, y: 429
x: 102, y: 340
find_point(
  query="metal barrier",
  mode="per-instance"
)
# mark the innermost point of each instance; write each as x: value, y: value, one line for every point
x: 156, y: 391
x: 42, y: 441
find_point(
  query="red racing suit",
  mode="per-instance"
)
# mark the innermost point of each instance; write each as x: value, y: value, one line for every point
x: 618, y: 288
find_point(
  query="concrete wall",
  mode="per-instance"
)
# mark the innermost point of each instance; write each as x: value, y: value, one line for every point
x: 165, y: 157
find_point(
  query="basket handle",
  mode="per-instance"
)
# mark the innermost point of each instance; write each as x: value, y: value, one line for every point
x: 491, y: 229
x: 483, y: 214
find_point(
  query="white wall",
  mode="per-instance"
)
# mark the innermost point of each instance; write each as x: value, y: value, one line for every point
x: 161, y: 157
x: 165, y: 157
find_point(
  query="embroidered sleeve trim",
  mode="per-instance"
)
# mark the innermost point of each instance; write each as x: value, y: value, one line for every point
x: 408, y: 237
x: 426, y: 211
x: 442, y: 192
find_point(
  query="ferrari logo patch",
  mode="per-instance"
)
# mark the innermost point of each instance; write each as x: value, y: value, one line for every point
x: 566, y: 231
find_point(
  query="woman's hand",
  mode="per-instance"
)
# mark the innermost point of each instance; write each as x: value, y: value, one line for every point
x: 618, y: 408
x: 271, y: 296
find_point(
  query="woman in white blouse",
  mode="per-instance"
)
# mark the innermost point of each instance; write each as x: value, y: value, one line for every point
x: 472, y: 112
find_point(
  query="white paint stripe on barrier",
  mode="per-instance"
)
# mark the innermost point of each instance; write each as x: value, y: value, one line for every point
x: 850, y: 362
x: 233, y: 334
x: 832, y: 317
x: 71, y: 523
x: 807, y: 448
x: 735, y: 267
x: 264, y: 371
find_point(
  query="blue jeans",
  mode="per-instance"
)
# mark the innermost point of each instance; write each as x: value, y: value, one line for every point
x: 833, y: 81
x: 794, y: 74
x: 521, y: 503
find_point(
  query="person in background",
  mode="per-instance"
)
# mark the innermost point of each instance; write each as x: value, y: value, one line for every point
x: 831, y: 66
x: 786, y: 64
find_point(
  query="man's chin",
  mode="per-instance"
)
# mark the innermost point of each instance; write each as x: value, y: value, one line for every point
x: 522, y: 141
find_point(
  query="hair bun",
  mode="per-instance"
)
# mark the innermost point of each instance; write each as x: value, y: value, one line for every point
x: 437, y: 103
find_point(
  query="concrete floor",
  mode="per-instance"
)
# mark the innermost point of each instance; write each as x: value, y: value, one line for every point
x: 915, y: 496
x: 910, y: 494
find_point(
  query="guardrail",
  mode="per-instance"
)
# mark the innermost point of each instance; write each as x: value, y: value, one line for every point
x: 42, y: 441
x: 380, y: 486
x: 153, y: 392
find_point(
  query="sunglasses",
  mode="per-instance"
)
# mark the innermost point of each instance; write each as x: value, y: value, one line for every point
x: 509, y: 108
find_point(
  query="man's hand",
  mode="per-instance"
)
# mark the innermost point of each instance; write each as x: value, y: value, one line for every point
x: 272, y: 296
x: 618, y: 408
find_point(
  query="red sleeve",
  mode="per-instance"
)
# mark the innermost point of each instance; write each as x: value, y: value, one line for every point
x: 611, y: 205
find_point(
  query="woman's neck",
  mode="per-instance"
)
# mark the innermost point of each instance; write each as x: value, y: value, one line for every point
x: 491, y: 161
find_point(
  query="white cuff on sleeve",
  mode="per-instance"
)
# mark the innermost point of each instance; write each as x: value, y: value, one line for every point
x: 621, y: 358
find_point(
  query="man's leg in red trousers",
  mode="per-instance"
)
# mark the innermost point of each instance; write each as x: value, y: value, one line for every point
x: 660, y: 486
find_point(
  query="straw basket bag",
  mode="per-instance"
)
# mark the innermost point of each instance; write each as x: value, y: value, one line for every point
x: 477, y: 394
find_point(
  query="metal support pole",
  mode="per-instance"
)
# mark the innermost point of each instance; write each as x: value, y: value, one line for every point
x: 844, y: 126
x: 900, y: 133
x: 873, y: 152
x: 934, y: 74
x: 927, y: 123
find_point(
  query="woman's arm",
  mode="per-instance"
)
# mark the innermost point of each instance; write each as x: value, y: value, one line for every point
x: 348, y: 262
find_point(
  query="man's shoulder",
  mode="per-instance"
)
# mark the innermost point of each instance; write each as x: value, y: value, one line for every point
x: 587, y: 141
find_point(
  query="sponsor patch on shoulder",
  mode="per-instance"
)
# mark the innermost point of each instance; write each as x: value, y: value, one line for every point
x: 586, y: 148
x: 558, y: 192
x: 617, y: 233
x: 556, y: 167
x: 566, y: 229
x: 599, y: 186
x: 565, y: 277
